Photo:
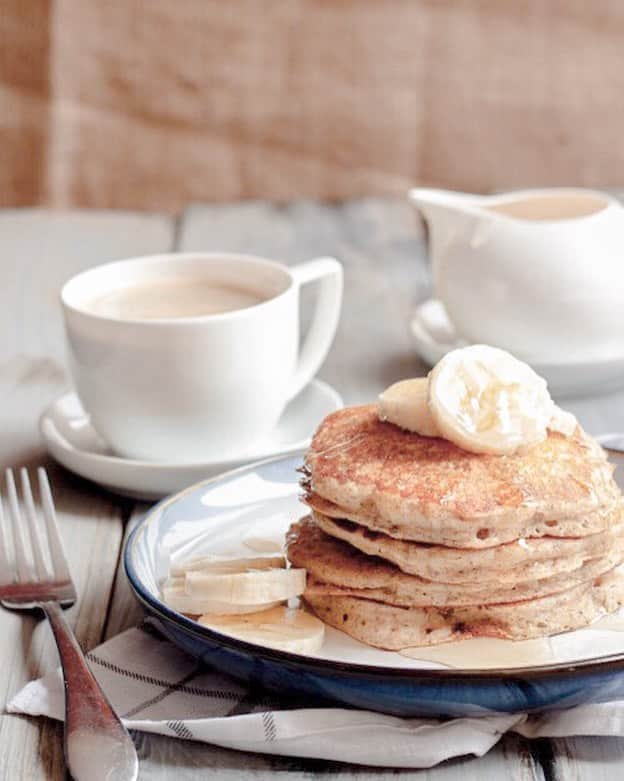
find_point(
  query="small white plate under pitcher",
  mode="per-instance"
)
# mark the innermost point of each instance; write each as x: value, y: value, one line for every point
x: 433, y: 335
x: 72, y: 441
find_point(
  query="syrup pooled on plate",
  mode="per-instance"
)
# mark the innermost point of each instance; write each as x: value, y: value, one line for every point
x: 613, y: 622
x: 485, y: 653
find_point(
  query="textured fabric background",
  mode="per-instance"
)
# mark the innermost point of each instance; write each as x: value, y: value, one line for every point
x: 150, y: 104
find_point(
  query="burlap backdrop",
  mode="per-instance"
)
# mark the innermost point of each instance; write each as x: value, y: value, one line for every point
x: 130, y: 104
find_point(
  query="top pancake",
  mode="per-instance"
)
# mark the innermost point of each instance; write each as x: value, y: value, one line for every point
x: 427, y: 489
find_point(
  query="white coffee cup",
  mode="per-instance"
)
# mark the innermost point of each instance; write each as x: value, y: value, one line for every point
x: 191, y: 389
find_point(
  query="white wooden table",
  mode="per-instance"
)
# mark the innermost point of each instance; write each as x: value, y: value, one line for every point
x: 381, y: 246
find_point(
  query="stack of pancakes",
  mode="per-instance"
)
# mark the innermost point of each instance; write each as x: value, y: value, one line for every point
x: 413, y: 541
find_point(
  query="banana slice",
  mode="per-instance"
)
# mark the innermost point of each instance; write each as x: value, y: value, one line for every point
x: 177, y: 599
x: 486, y: 401
x: 405, y: 404
x: 263, y: 544
x: 222, y: 564
x: 563, y: 422
x: 247, y: 588
x: 287, y: 629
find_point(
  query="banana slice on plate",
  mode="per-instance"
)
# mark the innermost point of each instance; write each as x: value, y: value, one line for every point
x: 484, y: 400
x: 287, y: 629
x: 223, y: 564
x: 247, y: 588
x: 177, y: 599
x: 405, y: 404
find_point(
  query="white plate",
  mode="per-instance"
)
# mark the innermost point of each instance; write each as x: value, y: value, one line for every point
x: 71, y: 439
x: 434, y: 335
x: 250, y: 510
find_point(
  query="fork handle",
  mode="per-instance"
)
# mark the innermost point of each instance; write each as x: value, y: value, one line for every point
x: 97, y: 745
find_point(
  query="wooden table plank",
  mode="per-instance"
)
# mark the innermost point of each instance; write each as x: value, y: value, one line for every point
x: 587, y: 759
x: 125, y: 611
x: 39, y: 252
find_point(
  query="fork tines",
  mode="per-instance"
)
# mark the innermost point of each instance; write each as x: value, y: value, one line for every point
x: 36, y: 556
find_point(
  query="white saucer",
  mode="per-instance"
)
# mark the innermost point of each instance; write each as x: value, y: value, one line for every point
x: 434, y: 335
x: 73, y: 442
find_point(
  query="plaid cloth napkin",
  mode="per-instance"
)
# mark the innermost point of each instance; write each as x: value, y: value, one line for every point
x: 155, y: 687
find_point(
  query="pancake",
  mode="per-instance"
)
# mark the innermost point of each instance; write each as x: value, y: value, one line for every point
x: 457, y: 535
x: 336, y: 568
x: 428, y: 490
x: 394, y: 628
x: 511, y: 562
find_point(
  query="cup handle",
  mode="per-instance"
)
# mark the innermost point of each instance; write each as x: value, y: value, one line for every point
x: 328, y: 273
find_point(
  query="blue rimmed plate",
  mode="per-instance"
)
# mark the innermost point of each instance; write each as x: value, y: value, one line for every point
x: 250, y: 509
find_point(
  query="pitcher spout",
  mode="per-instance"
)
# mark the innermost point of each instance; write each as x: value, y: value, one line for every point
x: 442, y: 206
x: 446, y: 214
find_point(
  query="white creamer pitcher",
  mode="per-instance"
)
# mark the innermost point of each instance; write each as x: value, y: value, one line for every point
x: 537, y: 272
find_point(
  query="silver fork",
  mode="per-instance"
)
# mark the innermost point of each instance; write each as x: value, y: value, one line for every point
x: 97, y: 745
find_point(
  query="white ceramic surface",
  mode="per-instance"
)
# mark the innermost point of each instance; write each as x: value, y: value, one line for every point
x: 434, y: 335
x: 197, y: 388
x: 71, y: 439
x: 550, y: 290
